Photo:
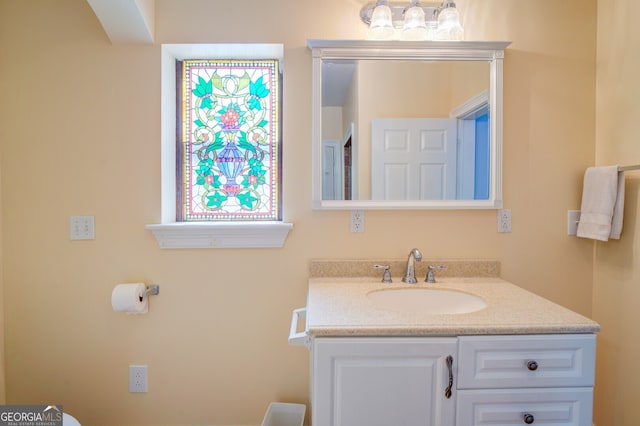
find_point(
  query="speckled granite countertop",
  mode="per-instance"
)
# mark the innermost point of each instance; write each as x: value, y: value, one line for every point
x: 338, y: 306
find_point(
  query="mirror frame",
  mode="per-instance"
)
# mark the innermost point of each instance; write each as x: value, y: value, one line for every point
x: 490, y: 51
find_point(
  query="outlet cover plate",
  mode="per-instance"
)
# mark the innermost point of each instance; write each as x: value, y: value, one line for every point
x: 137, y: 378
x: 357, y: 221
x: 504, y: 220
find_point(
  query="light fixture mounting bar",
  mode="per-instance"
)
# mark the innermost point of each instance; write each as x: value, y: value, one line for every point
x: 397, y: 11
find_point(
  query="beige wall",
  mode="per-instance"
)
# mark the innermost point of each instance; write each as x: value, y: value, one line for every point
x: 79, y: 135
x: 617, y: 263
x: 332, y: 128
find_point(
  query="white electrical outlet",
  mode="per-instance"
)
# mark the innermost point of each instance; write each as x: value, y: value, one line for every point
x: 137, y: 378
x: 504, y: 220
x: 82, y: 228
x: 357, y: 220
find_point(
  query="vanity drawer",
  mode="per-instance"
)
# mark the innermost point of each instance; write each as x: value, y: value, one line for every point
x: 526, y: 361
x: 511, y: 407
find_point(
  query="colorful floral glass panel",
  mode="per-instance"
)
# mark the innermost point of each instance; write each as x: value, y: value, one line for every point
x: 230, y: 152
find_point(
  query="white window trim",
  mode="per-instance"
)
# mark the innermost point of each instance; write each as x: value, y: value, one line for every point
x: 172, y: 234
x: 177, y: 235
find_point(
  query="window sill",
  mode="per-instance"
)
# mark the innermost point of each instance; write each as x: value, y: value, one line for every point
x: 185, y: 235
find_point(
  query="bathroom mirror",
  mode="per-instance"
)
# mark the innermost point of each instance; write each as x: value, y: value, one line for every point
x: 413, y: 125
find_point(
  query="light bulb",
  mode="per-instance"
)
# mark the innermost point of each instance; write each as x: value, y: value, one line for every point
x: 381, y: 27
x: 414, y: 27
x: 449, y: 27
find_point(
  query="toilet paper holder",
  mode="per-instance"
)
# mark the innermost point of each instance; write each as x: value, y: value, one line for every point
x: 152, y: 290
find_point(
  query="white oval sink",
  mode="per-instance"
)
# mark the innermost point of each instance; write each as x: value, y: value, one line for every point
x: 428, y: 300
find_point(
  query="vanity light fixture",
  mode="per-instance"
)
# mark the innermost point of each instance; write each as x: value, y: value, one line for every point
x: 381, y: 25
x: 415, y: 21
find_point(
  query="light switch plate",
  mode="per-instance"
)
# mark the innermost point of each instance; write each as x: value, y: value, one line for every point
x: 82, y: 228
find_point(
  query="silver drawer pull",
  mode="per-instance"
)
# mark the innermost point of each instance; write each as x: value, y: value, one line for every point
x: 447, y: 391
x: 528, y: 418
x: 532, y: 365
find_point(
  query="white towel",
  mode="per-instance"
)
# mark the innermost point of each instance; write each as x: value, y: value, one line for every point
x: 602, y: 203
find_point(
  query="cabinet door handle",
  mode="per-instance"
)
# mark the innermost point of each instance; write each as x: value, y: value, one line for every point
x: 528, y: 418
x: 447, y: 391
x: 532, y: 365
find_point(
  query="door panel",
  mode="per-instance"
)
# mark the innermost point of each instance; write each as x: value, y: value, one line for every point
x: 413, y: 158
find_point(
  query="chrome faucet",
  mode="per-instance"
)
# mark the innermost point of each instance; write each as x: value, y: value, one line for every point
x: 410, y: 274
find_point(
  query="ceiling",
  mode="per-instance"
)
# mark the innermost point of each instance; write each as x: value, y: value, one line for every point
x: 339, y: 74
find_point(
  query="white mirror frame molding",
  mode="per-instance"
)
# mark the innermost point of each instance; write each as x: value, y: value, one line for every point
x: 491, y: 51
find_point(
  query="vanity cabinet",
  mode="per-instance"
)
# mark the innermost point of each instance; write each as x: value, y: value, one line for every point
x: 497, y: 380
x: 382, y: 381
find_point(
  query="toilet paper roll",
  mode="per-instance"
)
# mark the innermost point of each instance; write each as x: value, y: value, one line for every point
x: 130, y: 298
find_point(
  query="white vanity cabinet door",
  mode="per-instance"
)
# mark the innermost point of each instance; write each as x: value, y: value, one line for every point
x: 382, y: 381
x: 526, y: 361
x: 515, y: 407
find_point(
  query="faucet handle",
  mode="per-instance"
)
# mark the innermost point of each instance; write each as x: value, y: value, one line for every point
x: 431, y: 277
x: 386, y: 276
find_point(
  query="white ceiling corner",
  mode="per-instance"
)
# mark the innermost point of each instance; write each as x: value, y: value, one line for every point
x: 126, y: 21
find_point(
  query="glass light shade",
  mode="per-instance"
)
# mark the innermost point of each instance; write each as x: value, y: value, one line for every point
x: 414, y: 27
x: 381, y: 27
x: 449, y: 27
x: 431, y: 23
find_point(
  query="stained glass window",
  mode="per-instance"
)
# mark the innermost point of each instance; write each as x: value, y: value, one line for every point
x: 228, y: 136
